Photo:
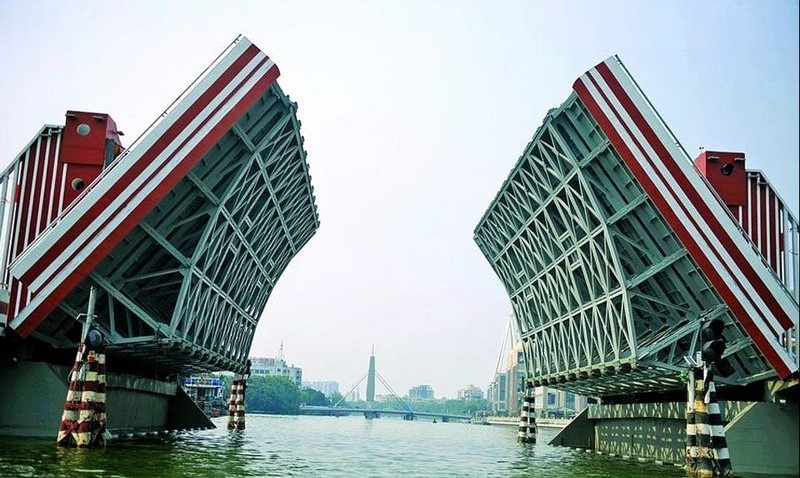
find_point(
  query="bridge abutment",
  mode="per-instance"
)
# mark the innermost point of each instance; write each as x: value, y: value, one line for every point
x: 135, y: 405
x: 761, y: 436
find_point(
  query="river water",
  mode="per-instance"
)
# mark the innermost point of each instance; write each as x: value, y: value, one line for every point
x: 306, y: 446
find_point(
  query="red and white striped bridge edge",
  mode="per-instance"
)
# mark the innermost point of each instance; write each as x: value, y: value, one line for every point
x: 757, y: 300
x: 54, y: 265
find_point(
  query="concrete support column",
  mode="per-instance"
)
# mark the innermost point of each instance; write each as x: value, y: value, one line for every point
x: 706, y: 447
x: 691, y: 433
x: 704, y: 458
x: 236, y: 405
x: 721, y: 457
x: 527, y: 418
x: 236, y: 400
x: 83, y: 422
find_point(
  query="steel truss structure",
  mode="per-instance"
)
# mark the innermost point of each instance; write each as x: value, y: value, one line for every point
x: 607, y: 295
x: 184, y: 288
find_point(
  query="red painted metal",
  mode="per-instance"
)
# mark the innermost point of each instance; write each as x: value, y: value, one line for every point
x: 726, y: 173
x: 87, y: 138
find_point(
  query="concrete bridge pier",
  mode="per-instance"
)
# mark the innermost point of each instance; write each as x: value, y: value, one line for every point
x: 761, y: 436
x: 135, y: 405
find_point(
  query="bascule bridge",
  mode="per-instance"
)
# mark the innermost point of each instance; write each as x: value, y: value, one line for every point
x: 614, y: 247
x: 183, y: 234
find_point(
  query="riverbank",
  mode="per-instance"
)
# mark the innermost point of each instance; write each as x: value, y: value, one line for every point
x: 514, y: 421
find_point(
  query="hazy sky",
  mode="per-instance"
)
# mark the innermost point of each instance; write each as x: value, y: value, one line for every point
x: 413, y: 114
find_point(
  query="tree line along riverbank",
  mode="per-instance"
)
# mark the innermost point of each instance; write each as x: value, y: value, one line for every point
x: 280, y: 395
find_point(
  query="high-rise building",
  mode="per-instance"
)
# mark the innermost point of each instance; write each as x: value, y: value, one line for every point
x: 470, y: 392
x: 276, y: 367
x: 328, y: 387
x: 553, y: 403
x: 420, y: 392
x: 506, y: 391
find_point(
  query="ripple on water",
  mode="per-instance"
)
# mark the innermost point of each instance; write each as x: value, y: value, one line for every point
x: 323, y: 447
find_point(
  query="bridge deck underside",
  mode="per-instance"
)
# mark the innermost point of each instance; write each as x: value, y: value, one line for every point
x: 184, y: 290
x: 600, y: 285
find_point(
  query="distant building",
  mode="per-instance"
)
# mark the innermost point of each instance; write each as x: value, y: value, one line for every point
x: 420, y: 392
x: 328, y: 388
x: 497, y: 395
x: 353, y: 396
x: 506, y: 391
x: 470, y: 392
x: 276, y: 367
x: 553, y: 403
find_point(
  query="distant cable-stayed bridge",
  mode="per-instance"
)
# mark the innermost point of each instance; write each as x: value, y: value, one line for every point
x: 371, y: 410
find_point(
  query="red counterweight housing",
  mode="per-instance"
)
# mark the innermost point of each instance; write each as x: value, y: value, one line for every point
x: 753, y: 202
x: 725, y: 171
x: 91, y: 142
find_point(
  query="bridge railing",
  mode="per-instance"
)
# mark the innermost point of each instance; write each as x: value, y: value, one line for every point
x: 790, y: 341
x: 33, y: 164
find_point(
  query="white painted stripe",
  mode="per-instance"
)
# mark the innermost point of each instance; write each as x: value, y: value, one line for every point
x: 84, y: 416
x: 717, y: 430
x: 750, y: 206
x: 42, y: 188
x: 70, y: 415
x: 722, y: 454
x: 767, y: 252
x: 7, y: 223
x: 678, y: 197
x: 21, y: 182
x: 66, y: 269
x: 638, y: 154
x: 759, y: 243
x: 777, y: 216
x: 780, y: 240
x: 110, y: 176
x: 63, y: 188
x: 739, y: 215
x: 31, y: 200
x: 684, y: 162
x: 124, y: 203
x: 54, y: 180
x: 18, y: 301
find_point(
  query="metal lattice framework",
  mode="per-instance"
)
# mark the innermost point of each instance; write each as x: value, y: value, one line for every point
x: 607, y: 298
x: 185, y: 234
x: 186, y: 288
